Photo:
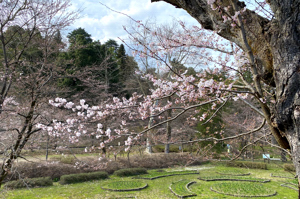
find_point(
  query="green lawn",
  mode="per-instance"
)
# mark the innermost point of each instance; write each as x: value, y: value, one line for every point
x: 180, y: 188
x: 157, y: 188
x: 243, y: 189
x: 156, y: 174
x: 124, y: 185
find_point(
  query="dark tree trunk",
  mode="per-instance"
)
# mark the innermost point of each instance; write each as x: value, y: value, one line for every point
x: 169, y: 130
x: 23, y: 136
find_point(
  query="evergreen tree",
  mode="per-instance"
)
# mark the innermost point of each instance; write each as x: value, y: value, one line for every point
x: 79, y: 35
x: 82, y: 54
x: 112, y: 44
x: 112, y: 71
x: 121, y: 56
x: 214, y: 124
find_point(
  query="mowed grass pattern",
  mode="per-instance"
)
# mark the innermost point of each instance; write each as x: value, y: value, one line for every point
x: 124, y: 185
x: 232, y: 178
x: 157, y: 189
x: 180, y: 188
x: 232, y: 172
x: 243, y: 189
x: 154, y: 174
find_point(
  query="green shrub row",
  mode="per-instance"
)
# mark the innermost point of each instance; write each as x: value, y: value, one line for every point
x: 251, y: 165
x: 173, y: 149
x: 130, y: 172
x: 82, y: 177
x: 289, y: 167
x: 29, y: 182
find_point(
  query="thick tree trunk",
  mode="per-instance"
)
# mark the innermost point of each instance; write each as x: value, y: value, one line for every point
x: 167, y: 146
x: 285, y: 43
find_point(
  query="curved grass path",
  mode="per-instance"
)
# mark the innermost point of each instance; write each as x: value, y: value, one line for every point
x: 290, y: 185
x: 155, y: 175
x: 125, y: 186
x: 243, y: 189
x: 233, y: 174
x: 283, y: 175
x: 181, y: 188
x: 233, y: 178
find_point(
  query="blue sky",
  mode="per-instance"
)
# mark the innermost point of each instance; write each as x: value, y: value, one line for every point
x: 104, y: 24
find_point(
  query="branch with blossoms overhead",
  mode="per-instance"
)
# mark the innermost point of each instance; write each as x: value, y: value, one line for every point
x: 100, y: 121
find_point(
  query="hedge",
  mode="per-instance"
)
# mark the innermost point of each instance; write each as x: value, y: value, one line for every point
x: 82, y: 177
x: 29, y: 182
x: 251, y: 165
x: 130, y: 172
x: 289, y: 167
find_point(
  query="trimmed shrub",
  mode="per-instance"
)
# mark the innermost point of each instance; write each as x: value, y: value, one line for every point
x: 250, y: 165
x: 55, y: 170
x: 82, y: 177
x: 29, y: 182
x: 36, y: 170
x: 289, y: 167
x: 130, y: 172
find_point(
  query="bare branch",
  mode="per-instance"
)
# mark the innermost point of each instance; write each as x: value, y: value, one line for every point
x: 218, y: 109
x: 223, y: 139
x: 249, y: 144
x: 252, y: 107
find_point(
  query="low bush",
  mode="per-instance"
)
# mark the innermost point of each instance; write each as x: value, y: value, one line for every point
x: 289, y: 167
x: 56, y: 169
x: 36, y: 170
x: 130, y: 172
x: 250, y: 165
x: 161, y: 148
x: 82, y: 177
x: 29, y: 182
x: 65, y: 159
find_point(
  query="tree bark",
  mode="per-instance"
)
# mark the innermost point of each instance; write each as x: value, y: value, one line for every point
x: 169, y: 129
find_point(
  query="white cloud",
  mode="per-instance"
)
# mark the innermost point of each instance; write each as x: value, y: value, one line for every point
x: 104, y: 24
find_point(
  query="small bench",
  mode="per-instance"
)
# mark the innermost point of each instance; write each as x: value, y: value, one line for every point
x: 267, y: 157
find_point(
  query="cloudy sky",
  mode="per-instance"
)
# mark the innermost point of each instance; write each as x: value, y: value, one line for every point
x: 104, y: 24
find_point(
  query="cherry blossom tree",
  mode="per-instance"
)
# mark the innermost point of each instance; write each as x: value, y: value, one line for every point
x: 29, y: 40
